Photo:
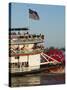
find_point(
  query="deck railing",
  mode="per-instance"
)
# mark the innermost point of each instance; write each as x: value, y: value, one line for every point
x: 33, y: 51
x: 23, y: 69
x: 25, y: 41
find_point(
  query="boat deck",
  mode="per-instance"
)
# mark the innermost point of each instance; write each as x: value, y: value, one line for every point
x: 18, y: 72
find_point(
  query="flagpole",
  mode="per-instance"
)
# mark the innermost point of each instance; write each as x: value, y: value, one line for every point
x: 28, y: 19
x: 33, y: 15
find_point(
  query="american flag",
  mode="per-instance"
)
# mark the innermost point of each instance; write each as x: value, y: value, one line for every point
x: 33, y: 15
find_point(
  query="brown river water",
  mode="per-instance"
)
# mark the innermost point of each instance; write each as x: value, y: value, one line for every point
x: 51, y: 78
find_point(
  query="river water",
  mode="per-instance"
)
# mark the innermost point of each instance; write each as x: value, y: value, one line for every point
x: 38, y: 79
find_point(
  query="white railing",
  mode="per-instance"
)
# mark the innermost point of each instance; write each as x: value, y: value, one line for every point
x: 45, y: 56
x: 13, y: 70
x: 24, y: 69
x: 26, y: 41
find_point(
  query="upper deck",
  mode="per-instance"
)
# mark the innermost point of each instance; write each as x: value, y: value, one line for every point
x: 26, y: 38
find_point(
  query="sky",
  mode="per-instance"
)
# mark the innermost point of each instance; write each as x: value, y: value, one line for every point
x: 51, y: 22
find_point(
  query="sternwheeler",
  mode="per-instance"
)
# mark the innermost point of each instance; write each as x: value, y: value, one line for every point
x: 26, y: 52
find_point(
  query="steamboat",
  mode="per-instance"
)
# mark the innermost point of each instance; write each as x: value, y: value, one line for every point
x: 26, y: 53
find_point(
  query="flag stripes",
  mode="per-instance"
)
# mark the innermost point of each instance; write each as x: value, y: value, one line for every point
x: 33, y: 15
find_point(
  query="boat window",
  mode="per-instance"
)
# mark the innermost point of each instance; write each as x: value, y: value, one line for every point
x: 24, y: 64
x: 14, y: 65
x: 16, y: 57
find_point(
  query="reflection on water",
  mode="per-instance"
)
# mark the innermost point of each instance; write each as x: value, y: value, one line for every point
x: 50, y: 79
x: 38, y: 79
x: 26, y: 80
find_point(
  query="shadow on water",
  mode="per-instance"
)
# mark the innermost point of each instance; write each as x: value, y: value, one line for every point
x: 51, y: 79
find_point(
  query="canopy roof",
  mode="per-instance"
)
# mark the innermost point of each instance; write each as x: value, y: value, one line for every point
x: 17, y: 29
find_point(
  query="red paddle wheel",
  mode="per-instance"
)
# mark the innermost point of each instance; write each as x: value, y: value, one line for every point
x: 54, y: 54
x: 56, y: 57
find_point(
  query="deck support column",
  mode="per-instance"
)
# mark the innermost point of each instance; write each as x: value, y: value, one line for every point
x: 20, y: 66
